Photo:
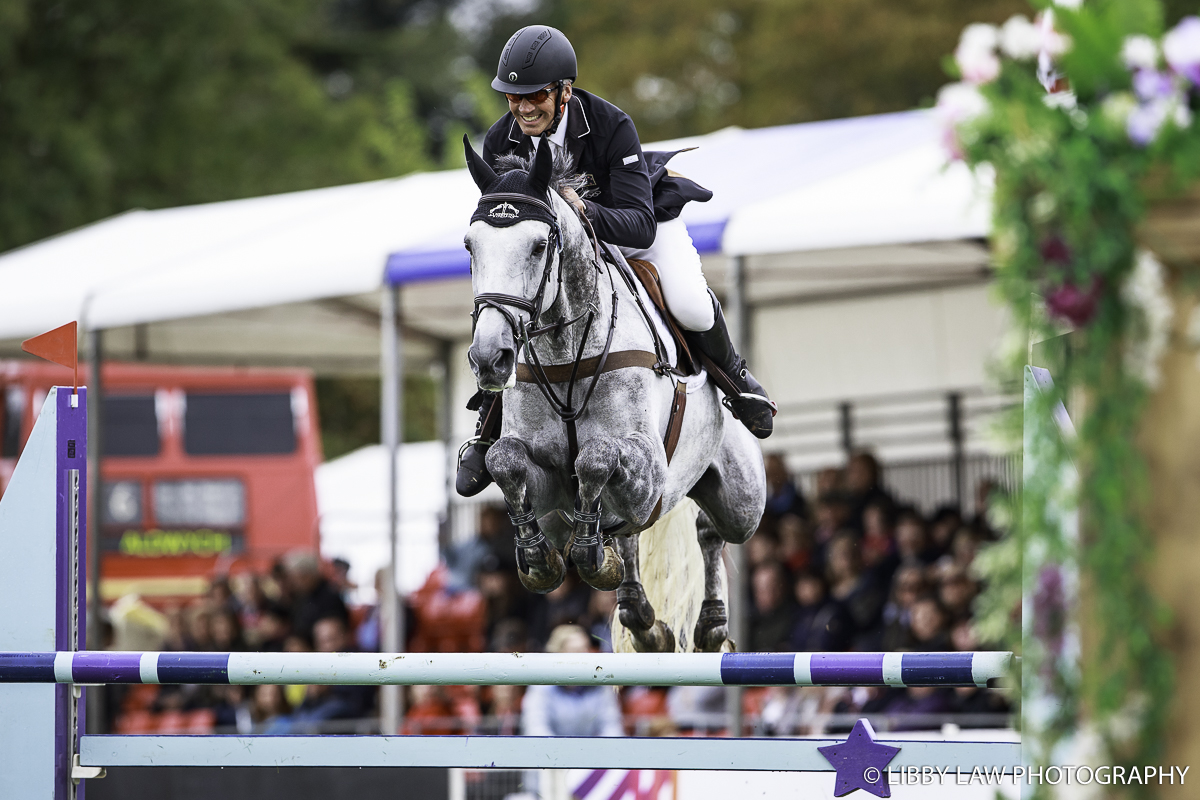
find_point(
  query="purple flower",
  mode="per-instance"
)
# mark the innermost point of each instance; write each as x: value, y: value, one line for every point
x: 1055, y: 251
x: 1050, y: 610
x: 1181, y: 48
x: 1145, y: 121
x: 1074, y: 304
x: 1150, y: 84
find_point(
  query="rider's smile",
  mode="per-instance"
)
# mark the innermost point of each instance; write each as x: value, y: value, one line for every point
x: 535, y: 118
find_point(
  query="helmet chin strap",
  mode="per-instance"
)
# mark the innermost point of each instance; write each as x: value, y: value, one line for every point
x: 558, y: 111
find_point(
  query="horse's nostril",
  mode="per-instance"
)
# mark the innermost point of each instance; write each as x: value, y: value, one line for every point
x: 504, y: 360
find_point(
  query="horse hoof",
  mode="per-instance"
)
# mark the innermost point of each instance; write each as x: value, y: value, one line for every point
x: 659, y: 639
x: 545, y: 578
x: 609, y: 576
x: 712, y: 627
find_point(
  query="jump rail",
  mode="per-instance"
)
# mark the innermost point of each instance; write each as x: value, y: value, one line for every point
x: 572, y: 669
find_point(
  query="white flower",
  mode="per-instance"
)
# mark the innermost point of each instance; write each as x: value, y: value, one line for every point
x: 959, y: 102
x: 1145, y: 294
x: 1117, y: 107
x: 1139, y: 52
x: 1020, y: 38
x: 1181, y: 48
x: 976, y: 53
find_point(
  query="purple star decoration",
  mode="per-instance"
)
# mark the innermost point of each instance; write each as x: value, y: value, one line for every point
x: 860, y: 762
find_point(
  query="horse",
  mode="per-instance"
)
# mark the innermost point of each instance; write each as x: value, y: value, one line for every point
x: 581, y: 458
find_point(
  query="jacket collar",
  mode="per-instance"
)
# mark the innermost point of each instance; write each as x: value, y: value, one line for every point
x: 577, y: 127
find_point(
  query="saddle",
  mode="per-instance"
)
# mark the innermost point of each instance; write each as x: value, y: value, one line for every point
x: 647, y: 275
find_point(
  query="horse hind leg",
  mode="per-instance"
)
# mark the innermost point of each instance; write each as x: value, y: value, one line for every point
x: 540, y: 566
x: 712, y: 626
x: 650, y: 635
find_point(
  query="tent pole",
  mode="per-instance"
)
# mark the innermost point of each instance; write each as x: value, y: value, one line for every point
x: 446, y: 434
x: 95, y: 497
x: 391, y: 698
x: 735, y: 310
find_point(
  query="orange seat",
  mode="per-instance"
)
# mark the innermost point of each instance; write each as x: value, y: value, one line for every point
x: 172, y: 722
x: 201, y: 721
x: 140, y: 721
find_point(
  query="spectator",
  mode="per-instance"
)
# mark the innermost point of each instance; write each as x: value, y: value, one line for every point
x: 912, y: 541
x: 832, y: 512
x: 323, y: 703
x: 879, y: 542
x: 821, y: 624
x: 782, y: 495
x: 956, y: 592
x: 963, y: 547
x: 272, y: 628
x: 850, y: 585
x: 429, y: 712
x: 571, y: 710
x: 268, y: 703
x: 829, y: 481
x: 863, y: 486
x: 795, y: 543
x: 908, y: 586
x: 601, y: 606
x: 946, y: 520
x: 340, y: 577
x: 772, y: 619
x: 198, y: 630
x: 566, y: 605
x: 504, y: 711
x: 510, y: 635
x: 762, y: 548
x: 313, y: 596
x: 227, y: 631
x: 928, y: 626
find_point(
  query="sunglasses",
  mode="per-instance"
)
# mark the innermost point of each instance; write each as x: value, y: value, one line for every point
x: 534, y: 97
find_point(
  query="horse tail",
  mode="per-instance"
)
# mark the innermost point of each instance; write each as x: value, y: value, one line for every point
x: 672, y: 571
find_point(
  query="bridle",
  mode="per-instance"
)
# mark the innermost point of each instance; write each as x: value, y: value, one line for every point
x: 526, y: 332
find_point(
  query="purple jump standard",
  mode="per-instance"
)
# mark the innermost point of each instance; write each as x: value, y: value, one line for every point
x: 567, y: 669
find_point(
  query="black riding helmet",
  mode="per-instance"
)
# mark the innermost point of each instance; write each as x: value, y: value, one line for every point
x: 535, y: 57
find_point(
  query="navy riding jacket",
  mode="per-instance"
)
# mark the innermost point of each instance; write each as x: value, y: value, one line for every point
x: 604, y: 145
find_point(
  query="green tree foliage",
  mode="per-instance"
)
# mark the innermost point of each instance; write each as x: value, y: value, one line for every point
x: 690, y: 66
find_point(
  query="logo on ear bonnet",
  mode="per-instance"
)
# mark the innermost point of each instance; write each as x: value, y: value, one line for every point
x: 504, y: 211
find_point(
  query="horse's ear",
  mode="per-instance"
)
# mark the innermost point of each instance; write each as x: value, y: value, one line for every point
x: 543, y: 168
x: 484, y: 175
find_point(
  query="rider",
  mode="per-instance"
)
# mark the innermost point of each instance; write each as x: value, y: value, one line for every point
x: 536, y: 71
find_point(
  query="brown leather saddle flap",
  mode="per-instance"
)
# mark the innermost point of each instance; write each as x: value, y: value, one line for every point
x: 648, y: 275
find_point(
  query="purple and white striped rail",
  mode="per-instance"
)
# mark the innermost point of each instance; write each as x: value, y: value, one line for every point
x: 567, y: 669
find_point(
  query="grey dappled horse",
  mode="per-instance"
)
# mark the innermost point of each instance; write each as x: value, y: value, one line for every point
x: 539, y: 286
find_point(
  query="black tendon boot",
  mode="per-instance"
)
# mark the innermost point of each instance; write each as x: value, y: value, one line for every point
x: 473, y: 476
x: 744, y: 396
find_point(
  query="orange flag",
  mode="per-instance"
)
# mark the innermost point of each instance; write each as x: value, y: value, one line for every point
x: 60, y: 345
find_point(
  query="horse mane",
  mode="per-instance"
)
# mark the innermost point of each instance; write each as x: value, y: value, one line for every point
x: 562, y: 176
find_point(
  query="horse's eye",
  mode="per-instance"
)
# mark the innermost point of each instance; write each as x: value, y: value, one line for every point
x: 468, y: 246
x: 539, y: 248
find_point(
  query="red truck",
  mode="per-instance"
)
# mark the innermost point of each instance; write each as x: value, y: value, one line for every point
x: 204, y: 469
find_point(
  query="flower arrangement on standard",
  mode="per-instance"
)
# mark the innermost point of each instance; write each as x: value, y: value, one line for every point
x: 1086, y: 116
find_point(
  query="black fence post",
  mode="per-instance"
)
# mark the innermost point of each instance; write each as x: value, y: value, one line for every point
x: 846, y: 424
x: 954, y: 413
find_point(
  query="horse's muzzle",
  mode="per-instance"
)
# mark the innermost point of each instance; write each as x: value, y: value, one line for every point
x: 494, y: 368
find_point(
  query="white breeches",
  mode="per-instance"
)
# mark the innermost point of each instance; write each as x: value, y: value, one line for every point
x: 683, y: 284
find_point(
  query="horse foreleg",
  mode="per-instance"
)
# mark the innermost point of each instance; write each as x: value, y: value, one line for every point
x: 623, y: 467
x: 712, y: 626
x: 539, y: 565
x: 650, y: 635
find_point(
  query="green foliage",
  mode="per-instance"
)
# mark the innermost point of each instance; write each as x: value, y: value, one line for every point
x: 1071, y: 189
x: 350, y: 414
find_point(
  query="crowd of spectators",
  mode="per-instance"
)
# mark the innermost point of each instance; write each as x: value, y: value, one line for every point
x: 851, y: 568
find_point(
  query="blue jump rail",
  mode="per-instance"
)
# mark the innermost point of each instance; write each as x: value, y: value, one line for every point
x: 566, y: 669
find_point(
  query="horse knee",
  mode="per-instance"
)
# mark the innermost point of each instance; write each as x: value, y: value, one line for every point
x: 508, y: 462
x: 595, y: 465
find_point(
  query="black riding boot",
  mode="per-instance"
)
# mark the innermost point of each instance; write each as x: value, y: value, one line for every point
x: 744, y: 396
x: 473, y: 476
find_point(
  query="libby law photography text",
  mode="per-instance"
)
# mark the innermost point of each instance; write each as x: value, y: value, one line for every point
x: 994, y: 776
